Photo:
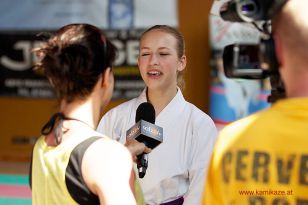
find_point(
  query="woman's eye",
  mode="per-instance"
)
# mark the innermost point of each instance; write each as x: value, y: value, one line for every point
x: 145, y: 54
x: 164, y: 54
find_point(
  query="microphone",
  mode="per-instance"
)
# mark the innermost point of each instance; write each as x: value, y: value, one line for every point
x: 145, y: 131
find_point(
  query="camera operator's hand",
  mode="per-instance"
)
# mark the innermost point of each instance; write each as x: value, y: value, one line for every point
x: 136, y: 148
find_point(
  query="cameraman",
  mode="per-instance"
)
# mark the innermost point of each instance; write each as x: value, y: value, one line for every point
x: 263, y: 158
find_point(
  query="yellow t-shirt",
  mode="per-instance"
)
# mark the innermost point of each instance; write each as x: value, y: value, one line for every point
x: 56, y: 172
x: 48, y: 173
x: 138, y: 194
x: 49, y: 169
x: 262, y: 159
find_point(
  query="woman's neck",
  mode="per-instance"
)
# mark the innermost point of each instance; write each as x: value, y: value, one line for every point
x: 81, y: 110
x: 160, y: 98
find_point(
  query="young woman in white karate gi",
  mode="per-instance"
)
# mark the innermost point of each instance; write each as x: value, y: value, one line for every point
x: 177, y: 167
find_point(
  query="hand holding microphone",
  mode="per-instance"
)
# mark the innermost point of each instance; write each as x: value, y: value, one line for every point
x: 136, y: 148
x: 145, y: 131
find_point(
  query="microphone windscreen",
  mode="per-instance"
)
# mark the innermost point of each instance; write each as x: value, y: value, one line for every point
x: 146, y: 112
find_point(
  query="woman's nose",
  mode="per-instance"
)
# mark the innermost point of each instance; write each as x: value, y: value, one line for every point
x: 154, y: 60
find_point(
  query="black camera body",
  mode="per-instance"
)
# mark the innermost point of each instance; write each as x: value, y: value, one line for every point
x: 250, y: 61
x: 253, y: 61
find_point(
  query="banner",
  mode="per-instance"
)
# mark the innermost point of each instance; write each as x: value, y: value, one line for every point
x: 122, y: 20
x: 107, y: 14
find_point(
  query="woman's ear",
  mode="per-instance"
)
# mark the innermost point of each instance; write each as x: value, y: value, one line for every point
x: 182, y: 63
x: 279, y: 49
x: 107, y: 78
x: 51, y: 82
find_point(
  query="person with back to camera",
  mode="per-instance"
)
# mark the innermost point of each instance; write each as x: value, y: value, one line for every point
x: 72, y: 163
x: 177, y: 166
x: 263, y: 159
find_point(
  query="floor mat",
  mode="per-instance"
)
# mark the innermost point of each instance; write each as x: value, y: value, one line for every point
x: 14, y: 190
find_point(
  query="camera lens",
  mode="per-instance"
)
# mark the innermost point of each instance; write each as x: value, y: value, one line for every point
x: 248, y: 8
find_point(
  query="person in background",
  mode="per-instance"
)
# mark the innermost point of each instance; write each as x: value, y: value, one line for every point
x: 176, y: 167
x: 263, y: 159
x: 72, y: 163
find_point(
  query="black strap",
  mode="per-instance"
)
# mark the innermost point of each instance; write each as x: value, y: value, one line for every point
x: 49, y: 126
x: 73, y: 176
x: 53, y: 121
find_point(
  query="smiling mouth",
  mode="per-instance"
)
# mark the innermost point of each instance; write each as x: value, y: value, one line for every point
x: 154, y: 73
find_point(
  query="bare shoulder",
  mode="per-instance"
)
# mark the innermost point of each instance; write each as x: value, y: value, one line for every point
x: 106, y: 168
x: 107, y: 151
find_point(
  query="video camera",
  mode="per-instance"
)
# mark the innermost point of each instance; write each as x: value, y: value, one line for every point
x: 253, y: 61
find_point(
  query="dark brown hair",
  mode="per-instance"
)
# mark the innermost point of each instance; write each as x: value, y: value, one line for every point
x: 74, y: 58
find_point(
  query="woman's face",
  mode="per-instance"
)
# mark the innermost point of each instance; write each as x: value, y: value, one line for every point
x: 158, y: 60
